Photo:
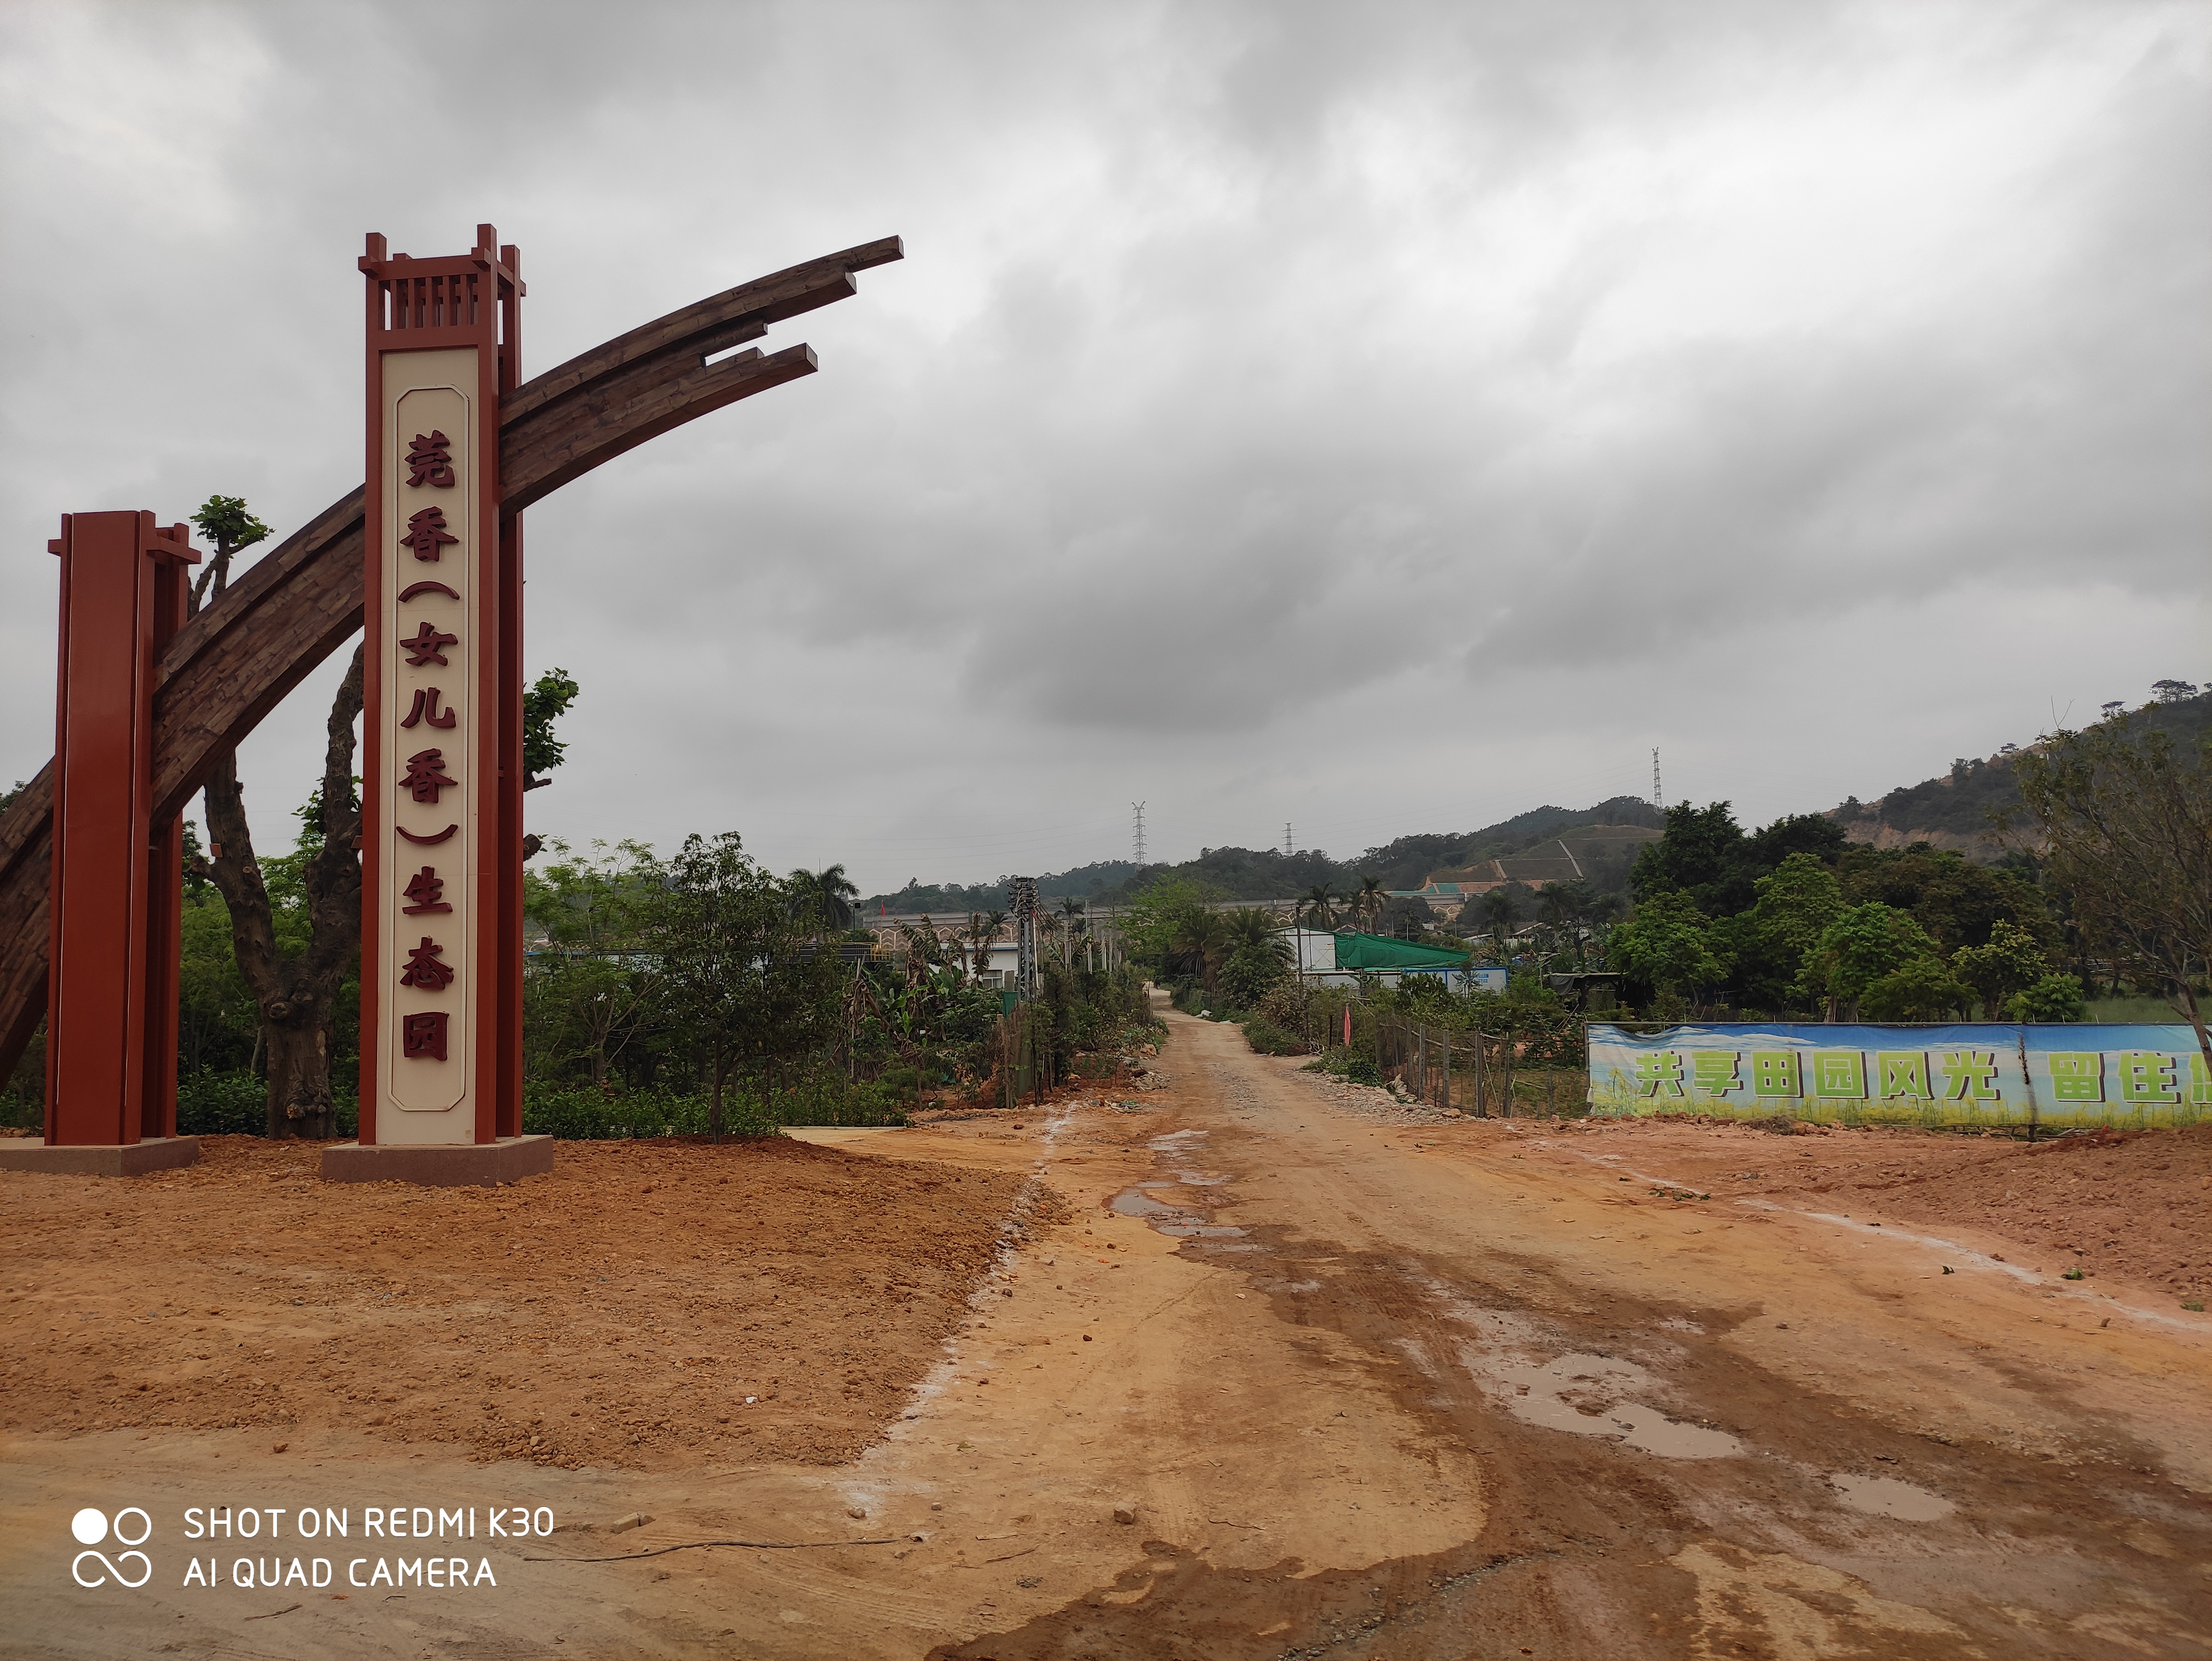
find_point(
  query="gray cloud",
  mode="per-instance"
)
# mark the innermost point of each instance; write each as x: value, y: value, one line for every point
x: 1379, y: 418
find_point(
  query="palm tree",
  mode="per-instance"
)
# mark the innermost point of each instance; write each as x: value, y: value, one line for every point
x: 1202, y: 943
x: 1499, y: 913
x: 1368, y: 901
x: 994, y: 925
x: 962, y: 940
x: 1072, y: 912
x: 1319, y: 904
x: 1255, y: 928
x: 829, y: 893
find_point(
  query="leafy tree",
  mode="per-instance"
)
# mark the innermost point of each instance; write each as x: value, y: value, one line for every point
x: 1706, y: 854
x: 225, y: 521
x: 1499, y: 913
x: 1957, y: 902
x: 2054, y: 999
x: 2013, y: 961
x: 1796, y: 903
x: 723, y: 931
x: 1921, y: 988
x: 1669, y: 945
x: 591, y: 990
x: 544, y: 702
x: 1157, y: 915
x: 296, y: 991
x: 1852, y: 962
x: 2125, y: 823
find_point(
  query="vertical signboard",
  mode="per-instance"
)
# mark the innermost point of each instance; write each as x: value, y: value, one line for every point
x: 441, y: 778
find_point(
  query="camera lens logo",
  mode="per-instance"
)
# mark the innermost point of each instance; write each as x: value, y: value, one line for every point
x: 91, y: 1527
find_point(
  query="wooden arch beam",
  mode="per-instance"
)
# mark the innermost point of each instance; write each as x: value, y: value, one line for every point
x: 235, y: 661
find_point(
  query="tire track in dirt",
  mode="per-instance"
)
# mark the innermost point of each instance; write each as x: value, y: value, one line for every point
x: 1592, y: 1547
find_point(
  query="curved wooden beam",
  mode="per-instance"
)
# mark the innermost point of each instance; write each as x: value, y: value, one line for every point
x: 235, y: 661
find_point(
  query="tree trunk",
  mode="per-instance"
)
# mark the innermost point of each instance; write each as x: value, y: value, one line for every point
x: 296, y: 995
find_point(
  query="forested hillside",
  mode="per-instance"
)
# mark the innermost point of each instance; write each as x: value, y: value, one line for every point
x: 1955, y: 810
x: 1244, y: 874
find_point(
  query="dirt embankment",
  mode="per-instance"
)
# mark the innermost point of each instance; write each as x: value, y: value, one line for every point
x: 620, y: 1310
x: 2132, y: 1210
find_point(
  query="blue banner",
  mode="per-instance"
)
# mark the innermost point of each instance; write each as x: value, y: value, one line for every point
x: 2127, y: 1077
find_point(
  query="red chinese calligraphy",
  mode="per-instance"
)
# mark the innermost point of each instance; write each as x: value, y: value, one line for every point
x: 424, y: 969
x: 426, y: 645
x: 422, y: 1036
x: 426, y: 532
x: 427, y: 889
x: 426, y: 709
x: 425, y: 775
x: 430, y: 461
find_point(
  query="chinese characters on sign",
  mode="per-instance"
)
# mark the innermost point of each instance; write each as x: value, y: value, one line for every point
x: 429, y: 465
x: 430, y: 461
x: 425, y: 777
x: 422, y: 1036
x: 442, y: 809
x: 424, y: 969
x: 1966, y: 1074
x: 427, y: 533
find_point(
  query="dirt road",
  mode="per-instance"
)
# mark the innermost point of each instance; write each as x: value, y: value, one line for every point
x: 1304, y: 1377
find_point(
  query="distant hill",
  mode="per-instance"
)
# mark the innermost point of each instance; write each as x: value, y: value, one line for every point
x: 1244, y: 874
x: 1952, y: 810
x: 1596, y: 854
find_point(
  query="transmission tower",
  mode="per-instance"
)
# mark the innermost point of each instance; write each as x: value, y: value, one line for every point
x: 1658, y: 799
x: 1137, y: 813
x: 1286, y: 839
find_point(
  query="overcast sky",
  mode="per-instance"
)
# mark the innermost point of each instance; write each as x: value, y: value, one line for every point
x: 1376, y: 418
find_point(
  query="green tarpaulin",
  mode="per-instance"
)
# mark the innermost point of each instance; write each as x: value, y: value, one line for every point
x: 1355, y: 950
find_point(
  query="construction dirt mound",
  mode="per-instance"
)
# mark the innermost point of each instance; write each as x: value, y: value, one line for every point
x: 648, y: 1302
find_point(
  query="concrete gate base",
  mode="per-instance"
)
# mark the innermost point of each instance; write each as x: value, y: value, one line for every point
x: 73, y: 1160
x: 464, y: 1165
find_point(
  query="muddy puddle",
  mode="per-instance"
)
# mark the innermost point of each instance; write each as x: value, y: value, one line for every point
x: 1885, y: 1496
x: 1588, y: 1395
x: 1169, y: 1204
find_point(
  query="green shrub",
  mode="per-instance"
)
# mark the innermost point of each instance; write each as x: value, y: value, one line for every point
x: 1269, y: 1039
x: 1360, y: 1070
x: 585, y: 1113
x: 221, y: 1105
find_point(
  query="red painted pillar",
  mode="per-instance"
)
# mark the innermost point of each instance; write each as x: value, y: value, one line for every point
x: 112, y: 982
